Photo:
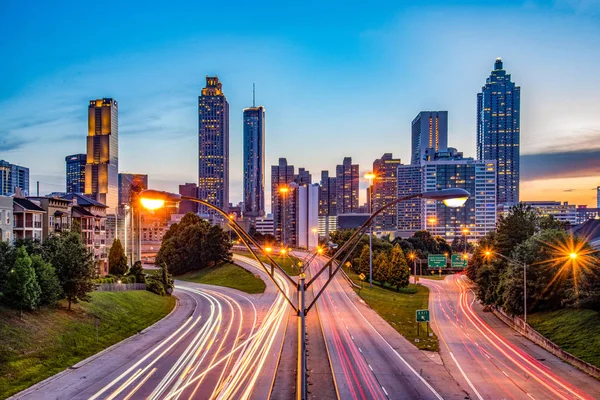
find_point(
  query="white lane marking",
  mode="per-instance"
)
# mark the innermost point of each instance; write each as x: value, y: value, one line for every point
x: 466, y: 377
x: 359, y: 349
x: 505, y: 374
x: 385, y: 391
x: 371, y: 368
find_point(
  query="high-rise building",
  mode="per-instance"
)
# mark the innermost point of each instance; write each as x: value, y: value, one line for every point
x: 498, y: 131
x: 303, y: 177
x: 213, y: 146
x: 76, y: 173
x: 129, y: 184
x: 254, y: 162
x: 429, y: 135
x: 327, y: 195
x: 187, y: 206
x: 102, y: 164
x: 13, y: 176
x: 584, y: 214
x: 284, y: 215
x: 598, y: 197
x: 448, y: 170
x: 384, y: 191
x: 282, y: 175
x: 307, y: 216
x: 563, y: 212
x: 347, y: 180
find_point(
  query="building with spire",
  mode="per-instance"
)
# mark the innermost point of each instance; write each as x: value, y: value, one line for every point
x: 213, y: 146
x: 254, y: 161
x: 499, y: 129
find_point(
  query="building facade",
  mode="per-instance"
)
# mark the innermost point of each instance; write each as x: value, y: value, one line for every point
x: 254, y: 162
x: 347, y: 180
x: 13, y: 176
x: 499, y: 129
x: 57, y: 216
x: 429, y: 135
x: 409, y: 212
x: 303, y: 177
x: 6, y: 219
x: 264, y: 225
x: 129, y: 184
x: 27, y: 220
x: 563, y: 212
x: 307, y: 217
x: 585, y: 213
x: 187, y: 206
x: 213, y: 146
x: 75, y: 165
x: 598, y: 197
x: 384, y: 190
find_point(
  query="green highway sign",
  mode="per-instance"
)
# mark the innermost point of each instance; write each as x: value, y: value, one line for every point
x: 422, y: 315
x: 436, y: 261
x: 459, y: 261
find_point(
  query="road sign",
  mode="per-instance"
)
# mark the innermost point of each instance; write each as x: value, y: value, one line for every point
x: 422, y: 315
x: 459, y: 261
x: 436, y: 261
x: 362, y: 277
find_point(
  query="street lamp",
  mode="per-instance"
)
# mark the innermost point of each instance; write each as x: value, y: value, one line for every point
x: 465, y: 231
x: 432, y: 221
x: 413, y: 257
x: 370, y: 176
x: 284, y: 190
x: 451, y: 197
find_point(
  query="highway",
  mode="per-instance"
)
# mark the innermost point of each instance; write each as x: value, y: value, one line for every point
x: 365, y: 365
x: 219, y: 343
x: 490, y: 359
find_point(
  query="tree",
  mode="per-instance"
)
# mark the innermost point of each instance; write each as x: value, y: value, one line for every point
x: 398, y: 271
x: 21, y: 289
x: 117, y: 260
x: 166, y: 279
x: 7, y: 261
x: 137, y: 270
x: 521, y: 223
x: 380, y: 268
x: 364, y: 260
x: 46, y: 277
x: 75, y: 268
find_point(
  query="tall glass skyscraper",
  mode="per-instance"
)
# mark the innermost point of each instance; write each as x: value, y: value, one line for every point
x: 429, y: 134
x: 213, y: 146
x: 102, y: 166
x: 254, y: 162
x: 498, y: 131
x: 76, y: 173
x: 13, y: 176
x: 347, y: 179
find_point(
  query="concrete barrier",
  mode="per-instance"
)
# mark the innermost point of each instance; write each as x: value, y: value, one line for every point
x: 526, y: 330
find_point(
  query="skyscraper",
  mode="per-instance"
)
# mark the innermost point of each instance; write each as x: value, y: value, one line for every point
x: 429, y: 134
x: 282, y: 199
x: 384, y: 191
x: 347, y: 179
x: 213, y: 146
x: 76, y: 173
x: 303, y: 177
x: 282, y: 174
x: 327, y: 195
x: 102, y: 163
x: 130, y: 183
x: 498, y: 131
x: 187, y: 206
x: 254, y: 162
x: 13, y: 176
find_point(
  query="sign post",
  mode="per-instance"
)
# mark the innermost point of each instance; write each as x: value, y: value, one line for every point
x: 459, y: 261
x: 422, y: 316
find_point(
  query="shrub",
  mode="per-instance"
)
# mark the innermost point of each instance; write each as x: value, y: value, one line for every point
x: 155, y: 286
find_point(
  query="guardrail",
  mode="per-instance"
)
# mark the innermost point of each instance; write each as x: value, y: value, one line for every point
x: 120, y: 287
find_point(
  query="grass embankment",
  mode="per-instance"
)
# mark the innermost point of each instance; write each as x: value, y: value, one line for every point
x: 399, y: 309
x: 575, y: 331
x: 288, y: 263
x: 47, y: 341
x: 228, y: 275
x: 434, y: 277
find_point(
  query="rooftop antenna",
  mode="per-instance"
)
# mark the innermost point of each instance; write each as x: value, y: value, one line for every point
x: 253, y: 95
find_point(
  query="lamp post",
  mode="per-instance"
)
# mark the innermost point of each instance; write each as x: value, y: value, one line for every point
x: 284, y: 191
x: 465, y: 231
x: 153, y: 199
x: 370, y: 176
x: 413, y: 257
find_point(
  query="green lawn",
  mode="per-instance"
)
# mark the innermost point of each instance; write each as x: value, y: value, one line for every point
x: 288, y: 263
x: 435, y: 277
x: 575, y: 331
x: 399, y: 309
x: 48, y: 341
x: 228, y: 275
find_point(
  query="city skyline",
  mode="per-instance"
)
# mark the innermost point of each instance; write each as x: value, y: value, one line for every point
x: 550, y: 113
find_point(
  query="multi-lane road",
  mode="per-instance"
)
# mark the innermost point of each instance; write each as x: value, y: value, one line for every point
x: 220, y: 343
x: 490, y: 359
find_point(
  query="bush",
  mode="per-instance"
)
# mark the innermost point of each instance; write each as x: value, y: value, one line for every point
x: 154, y: 286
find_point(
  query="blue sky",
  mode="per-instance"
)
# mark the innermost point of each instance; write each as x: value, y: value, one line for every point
x: 337, y: 79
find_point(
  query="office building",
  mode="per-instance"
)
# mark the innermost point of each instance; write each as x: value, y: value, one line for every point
x: 254, y: 162
x: 213, y: 146
x: 13, y: 176
x: 6, y: 219
x: 585, y: 213
x: 187, y: 206
x: 102, y: 163
x: 303, y: 177
x: 284, y: 216
x: 498, y: 131
x: 563, y: 212
x: 282, y: 175
x: 264, y: 225
x: 129, y: 185
x: 347, y: 180
x: 448, y: 169
x: 327, y: 204
x: 383, y: 191
x: 429, y: 135
x: 75, y: 165
x: 307, y: 216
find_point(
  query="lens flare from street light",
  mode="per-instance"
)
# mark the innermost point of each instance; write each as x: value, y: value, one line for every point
x: 152, y: 204
x: 456, y: 202
x: 314, y: 230
x: 319, y: 250
x: 573, y: 256
x: 268, y: 249
x: 284, y: 189
x: 432, y: 220
x: 465, y: 231
x: 370, y: 176
x: 283, y: 251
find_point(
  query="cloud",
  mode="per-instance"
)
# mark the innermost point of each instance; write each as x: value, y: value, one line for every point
x: 566, y: 164
x: 9, y: 143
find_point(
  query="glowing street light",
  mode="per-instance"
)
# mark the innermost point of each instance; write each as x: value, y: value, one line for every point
x: 268, y: 249
x: 573, y: 256
x: 152, y: 204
